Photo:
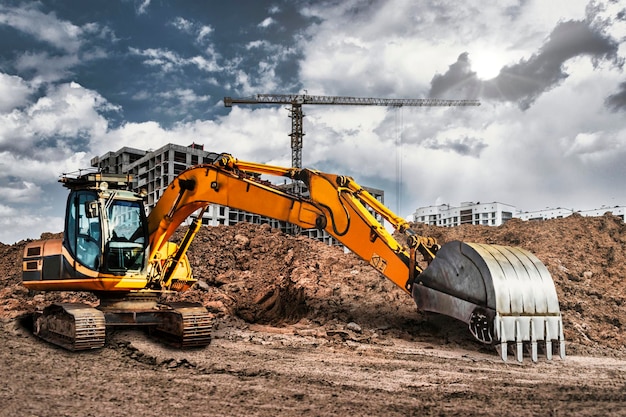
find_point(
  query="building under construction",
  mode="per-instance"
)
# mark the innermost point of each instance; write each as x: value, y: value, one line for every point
x: 153, y: 170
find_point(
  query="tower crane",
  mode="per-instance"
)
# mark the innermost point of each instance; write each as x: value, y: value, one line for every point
x: 297, y: 100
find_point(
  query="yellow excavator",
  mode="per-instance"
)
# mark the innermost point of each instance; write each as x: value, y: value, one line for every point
x: 504, y: 294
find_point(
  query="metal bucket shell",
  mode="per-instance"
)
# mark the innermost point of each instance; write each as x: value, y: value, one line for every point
x: 507, y: 288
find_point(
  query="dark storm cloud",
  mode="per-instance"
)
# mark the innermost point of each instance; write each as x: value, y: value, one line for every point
x: 528, y: 79
x: 617, y: 101
x: 45, y: 147
x: 466, y: 146
x: 459, y: 80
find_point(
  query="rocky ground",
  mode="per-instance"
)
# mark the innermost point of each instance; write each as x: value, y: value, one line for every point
x: 303, y: 328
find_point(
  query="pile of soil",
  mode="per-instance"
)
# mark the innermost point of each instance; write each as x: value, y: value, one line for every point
x: 263, y: 276
x: 586, y: 257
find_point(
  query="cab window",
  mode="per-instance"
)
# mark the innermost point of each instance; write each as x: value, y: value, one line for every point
x: 83, y: 229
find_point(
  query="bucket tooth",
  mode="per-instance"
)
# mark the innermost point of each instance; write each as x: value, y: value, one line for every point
x: 548, y: 343
x: 533, y: 342
x: 504, y: 294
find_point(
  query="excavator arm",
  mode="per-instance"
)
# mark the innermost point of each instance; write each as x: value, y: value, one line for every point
x: 336, y: 204
x: 504, y: 294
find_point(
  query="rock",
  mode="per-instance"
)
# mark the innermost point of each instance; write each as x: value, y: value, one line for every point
x: 242, y: 240
x: 354, y: 327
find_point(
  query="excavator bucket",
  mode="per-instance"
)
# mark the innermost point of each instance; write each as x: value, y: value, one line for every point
x: 505, y: 294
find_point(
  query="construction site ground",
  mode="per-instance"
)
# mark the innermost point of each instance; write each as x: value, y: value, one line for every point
x: 302, y: 328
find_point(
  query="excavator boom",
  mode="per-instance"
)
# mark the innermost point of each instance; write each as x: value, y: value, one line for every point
x: 504, y: 294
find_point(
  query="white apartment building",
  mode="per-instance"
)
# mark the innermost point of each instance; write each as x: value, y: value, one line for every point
x: 445, y: 215
x: 619, y: 211
x: 558, y: 213
x: 496, y: 214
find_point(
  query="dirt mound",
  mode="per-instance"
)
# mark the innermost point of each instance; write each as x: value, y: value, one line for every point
x: 586, y: 257
x: 264, y: 276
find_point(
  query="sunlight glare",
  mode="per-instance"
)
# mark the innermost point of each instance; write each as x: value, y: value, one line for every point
x: 486, y: 64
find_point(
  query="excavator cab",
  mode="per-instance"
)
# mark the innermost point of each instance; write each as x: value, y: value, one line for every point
x: 105, y: 233
x: 105, y: 240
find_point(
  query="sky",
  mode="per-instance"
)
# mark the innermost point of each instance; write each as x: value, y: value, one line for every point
x: 79, y: 79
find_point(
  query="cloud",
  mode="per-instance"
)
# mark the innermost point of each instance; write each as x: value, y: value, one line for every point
x: 67, y: 44
x: 21, y: 192
x: 464, y: 145
x: 169, y: 61
x: 561, y: 65
x: 258, y: 135
x: 56, y: 125
x: 529, y: 78
x: 180, y: 102
x: 16, y: 225
x: 596, y: 146
x: 184, y: 96
x: 458, y: 82
x: 617, y: 101
x: 200, y: 31
x: 265, y: 76
x: 525, y: 81
x: 61, y: 34
x: 14, y: 92
x: 45, y: 68
x: 268, y: 21
x: 143, y: 6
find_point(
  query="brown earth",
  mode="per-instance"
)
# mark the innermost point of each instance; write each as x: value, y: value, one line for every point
x: 302, y: 328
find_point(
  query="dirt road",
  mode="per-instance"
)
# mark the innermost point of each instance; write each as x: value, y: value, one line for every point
x: 294, y: 371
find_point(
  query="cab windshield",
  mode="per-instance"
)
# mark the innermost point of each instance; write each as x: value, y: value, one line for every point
x: 126, y: 236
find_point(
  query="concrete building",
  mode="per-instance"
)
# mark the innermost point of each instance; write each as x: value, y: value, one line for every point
x: 153, y: 170
x: 445, y: 215
x: 496, y: 214
x: 117, y: 162
x: 546, y: 214
x: 558, y: 213
x: 619, y: 211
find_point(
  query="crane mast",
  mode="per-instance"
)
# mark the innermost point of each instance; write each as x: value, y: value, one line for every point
x: 297, y: 100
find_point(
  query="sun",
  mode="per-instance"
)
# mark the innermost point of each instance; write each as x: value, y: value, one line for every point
x: 486, y: 63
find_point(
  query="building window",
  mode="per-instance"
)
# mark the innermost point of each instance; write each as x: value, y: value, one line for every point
x: 180, y: 157
x: 178, y: 168
x: 466, y: 216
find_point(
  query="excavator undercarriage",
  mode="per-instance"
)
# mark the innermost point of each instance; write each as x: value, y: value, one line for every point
x: 77, y: 326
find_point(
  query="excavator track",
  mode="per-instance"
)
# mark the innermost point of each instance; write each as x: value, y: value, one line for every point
x: 72, y: 326
x: 184, y: 325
